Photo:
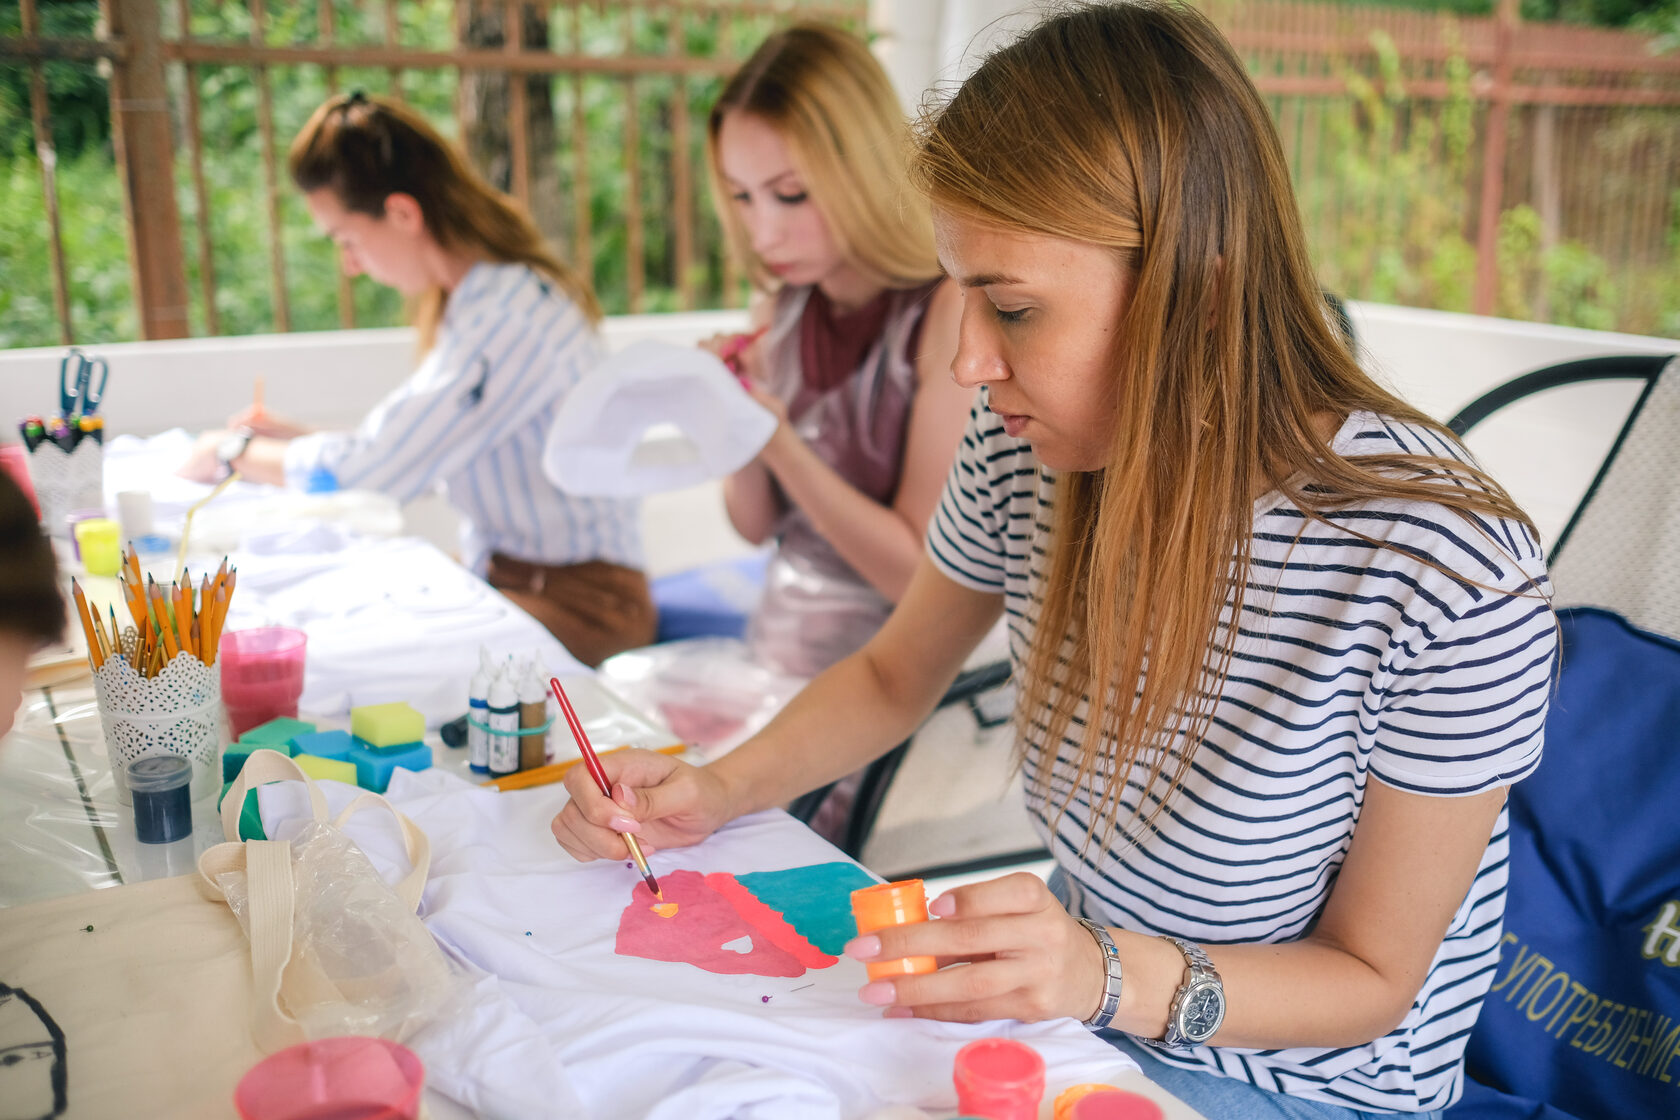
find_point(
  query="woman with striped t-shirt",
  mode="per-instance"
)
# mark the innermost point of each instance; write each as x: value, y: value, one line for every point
x: 1280, y: 647
x: 506, y: 330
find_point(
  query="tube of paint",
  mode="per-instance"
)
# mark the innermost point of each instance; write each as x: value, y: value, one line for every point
x: 533, y: 713
x: 504, y: 726
x: 478, y: 712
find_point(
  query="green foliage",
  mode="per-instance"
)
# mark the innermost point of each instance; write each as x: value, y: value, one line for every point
x: 1389, y: 196
x: 81, y: 109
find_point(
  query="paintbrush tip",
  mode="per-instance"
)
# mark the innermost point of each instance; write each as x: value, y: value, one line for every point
x: 653, y: 885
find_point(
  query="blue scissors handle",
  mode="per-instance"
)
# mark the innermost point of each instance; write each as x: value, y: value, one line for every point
x: 81, y: 383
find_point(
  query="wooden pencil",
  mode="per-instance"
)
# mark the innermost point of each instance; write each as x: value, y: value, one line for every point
x: 165, y: 630
x: 86, y: 618
x: 554, y: 771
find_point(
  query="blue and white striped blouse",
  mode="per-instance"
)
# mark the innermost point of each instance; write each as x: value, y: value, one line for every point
x: 1351, y: 662
x: 472, y: 419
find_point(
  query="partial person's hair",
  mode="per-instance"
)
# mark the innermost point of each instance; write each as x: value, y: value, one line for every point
x: 1135, y: 126
x: 365, y: 149
x: 30, y: 602
x: 834, y: 107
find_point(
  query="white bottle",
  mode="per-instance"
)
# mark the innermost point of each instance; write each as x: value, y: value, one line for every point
x: 478, y: 712
x: 504, y: 725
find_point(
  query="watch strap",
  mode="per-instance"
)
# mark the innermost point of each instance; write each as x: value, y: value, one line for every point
x: 1110, y: 1005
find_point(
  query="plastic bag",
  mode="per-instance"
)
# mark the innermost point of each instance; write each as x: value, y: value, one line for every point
x: 334, y: 949
x: 709, y: 691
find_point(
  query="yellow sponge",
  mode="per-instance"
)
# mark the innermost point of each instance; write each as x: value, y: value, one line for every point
x: 318, y: 768
x: 387, y: 725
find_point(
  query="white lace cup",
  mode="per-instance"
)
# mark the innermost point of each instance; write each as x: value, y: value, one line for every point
x: 66, y: 481
x: 179, y: 711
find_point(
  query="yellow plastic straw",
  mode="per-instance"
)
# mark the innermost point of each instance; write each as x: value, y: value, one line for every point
x: 186, y: 526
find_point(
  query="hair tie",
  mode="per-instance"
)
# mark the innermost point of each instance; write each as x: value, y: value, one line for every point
x: 357, y: 97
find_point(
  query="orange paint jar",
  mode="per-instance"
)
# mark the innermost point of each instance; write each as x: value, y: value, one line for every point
x: 892, y: 904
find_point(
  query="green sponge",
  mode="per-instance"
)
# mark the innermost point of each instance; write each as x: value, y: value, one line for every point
x: 277, y: 733
x: 387, y: 725
x: 250, y: 818
x: 317, y: 767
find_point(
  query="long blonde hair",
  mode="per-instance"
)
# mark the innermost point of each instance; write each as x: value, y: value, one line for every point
x: 834, y: 107
x: 365, y: 149
x: 1134, y: 126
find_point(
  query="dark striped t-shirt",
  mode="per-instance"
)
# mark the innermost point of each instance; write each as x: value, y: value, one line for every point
x: 1351, y: 661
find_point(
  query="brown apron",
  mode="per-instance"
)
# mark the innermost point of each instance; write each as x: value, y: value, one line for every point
x: 596, y: 609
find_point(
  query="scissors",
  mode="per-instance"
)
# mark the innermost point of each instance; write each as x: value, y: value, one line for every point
x: 81, y: 383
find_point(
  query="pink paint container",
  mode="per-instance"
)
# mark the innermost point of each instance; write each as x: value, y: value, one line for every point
x: 333, y: 1079
x: 999, y: 1079
x: 262, y: 675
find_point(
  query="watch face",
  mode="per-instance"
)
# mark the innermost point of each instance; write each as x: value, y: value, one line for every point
x: 1204, y: 1010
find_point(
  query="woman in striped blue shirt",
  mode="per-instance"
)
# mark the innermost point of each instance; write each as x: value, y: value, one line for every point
x: 1281, y: 647
x: 506, y: 330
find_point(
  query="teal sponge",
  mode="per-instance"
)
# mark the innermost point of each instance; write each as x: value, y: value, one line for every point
x: 387, y: 725
x: 277, y: 733
x: 374, y: 767
x: 323, y: 744
x: 250, y: 818
x: 235, y: 754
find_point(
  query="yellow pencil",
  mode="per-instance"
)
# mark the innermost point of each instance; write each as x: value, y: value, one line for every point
x: 164, y: 627
x: 554, y: 771
x: 86, y: 618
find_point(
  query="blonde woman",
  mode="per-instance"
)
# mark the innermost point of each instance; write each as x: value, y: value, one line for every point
x: 506, y: 330
x: 1281, y: 648
x: 855, y: 331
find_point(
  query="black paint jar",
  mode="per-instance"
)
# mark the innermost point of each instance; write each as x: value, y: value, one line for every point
x: 161, y: 785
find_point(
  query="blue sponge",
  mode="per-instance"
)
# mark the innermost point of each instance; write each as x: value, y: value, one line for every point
x: 374, y: 767
x: 323, y: 744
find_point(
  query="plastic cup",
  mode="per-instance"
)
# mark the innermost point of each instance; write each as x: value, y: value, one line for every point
x: 14, y: 460
x: 999, y: 1078
x: 75, y: 518
x: 262, y: 675
x: 158, y: 785
x: 333, y: 1079
x: 1115, y: 1104
x: 892, y: 904
x: 134, y: 510
x: 96, y: 540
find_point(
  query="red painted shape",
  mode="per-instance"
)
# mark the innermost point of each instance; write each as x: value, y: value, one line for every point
x: 767, y: 921
x: 705, y: 921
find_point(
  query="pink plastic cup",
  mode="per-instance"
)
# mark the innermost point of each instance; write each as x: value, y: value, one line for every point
x: 333, y: 1079
x: 262, y: 675
x: 14, y: 460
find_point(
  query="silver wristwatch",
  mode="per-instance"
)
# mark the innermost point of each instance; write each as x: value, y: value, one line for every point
x: 231, y: 447
x: 1199, y: 1005
x: 1110, y: 1005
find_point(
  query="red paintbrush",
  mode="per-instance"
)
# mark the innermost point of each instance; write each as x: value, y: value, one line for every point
x: 593, y: 765
x: 732, y: 349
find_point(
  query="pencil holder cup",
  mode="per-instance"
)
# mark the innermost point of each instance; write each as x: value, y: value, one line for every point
x: 177, y: 712
x: 66, y: 481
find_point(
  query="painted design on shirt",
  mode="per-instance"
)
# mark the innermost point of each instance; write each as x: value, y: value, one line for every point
x: 773, y: 923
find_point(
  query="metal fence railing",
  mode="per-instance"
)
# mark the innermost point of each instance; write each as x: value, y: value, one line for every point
x: 1477, y: 164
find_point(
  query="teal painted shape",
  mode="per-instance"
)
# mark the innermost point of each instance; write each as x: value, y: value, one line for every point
x: 815, y: 900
